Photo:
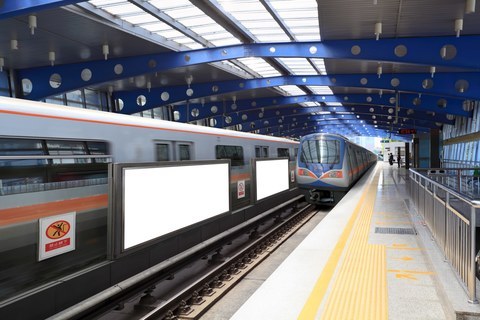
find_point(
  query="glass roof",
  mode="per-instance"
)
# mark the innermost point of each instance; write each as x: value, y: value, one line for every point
x: 320, y: 89
x: 252, y: 16
x: 300, y: 17
x: 292, y: 90
x: 182, y: 22
x: 260, y: 66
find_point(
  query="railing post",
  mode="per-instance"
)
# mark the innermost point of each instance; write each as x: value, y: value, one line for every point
x: 472, y: 279
x: 447, y: 203
x: 459, y: 182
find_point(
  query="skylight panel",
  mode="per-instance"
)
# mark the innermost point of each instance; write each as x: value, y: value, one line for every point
x: 320, y: 89
x: 259, y: 66
x: 320, y: 64
x: 298, y: 66
x: 183, y: 12
x: 299, y: 13
x: 156, y: 27
x: 172, y: 33
x: 196, y: 20
x: 103, y: 3
x: 310, y: 104
x: 170, y: 4
x: 123, y: 9
x: 292, y: 90
x: 140, y: 19
x: 247, y: 12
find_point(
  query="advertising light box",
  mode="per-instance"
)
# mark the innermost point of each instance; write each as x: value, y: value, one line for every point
x: 272, y: 177
x: 160, y: 200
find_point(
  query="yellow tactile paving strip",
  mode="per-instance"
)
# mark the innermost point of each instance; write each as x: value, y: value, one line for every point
x: 360, y: 288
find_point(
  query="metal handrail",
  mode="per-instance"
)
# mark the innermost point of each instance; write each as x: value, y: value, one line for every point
x: 453, y: 231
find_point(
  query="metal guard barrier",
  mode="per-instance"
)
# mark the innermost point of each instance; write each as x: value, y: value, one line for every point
x: 451, y: 219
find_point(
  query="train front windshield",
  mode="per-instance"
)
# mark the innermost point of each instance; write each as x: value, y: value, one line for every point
x: 320, y: 151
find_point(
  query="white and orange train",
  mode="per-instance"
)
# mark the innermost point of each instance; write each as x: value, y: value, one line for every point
x: 54, y: 159
x: 328, y: 165
x: 42, y: 145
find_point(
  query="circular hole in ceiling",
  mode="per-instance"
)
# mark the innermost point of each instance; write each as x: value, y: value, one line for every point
x: 165, y: 96
x: 152, y: 63
x: 461, y: 85
x: 141, y: 100
x: 118, y: 69
x: 27, y: 86
x: 195, y: 112
x: 427, y: 84
x: 55, y: 80
x: 448, y: 52
x: 356, y: 50
x: 400, y: 50
x: 119, y: 103
x: 442, y: 103
x: 395, y: 82
x: 86, y: 74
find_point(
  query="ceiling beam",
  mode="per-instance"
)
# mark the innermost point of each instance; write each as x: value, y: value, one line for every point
x: 425, y: 51
x: 13, y: 8
x: 406, y: 100
x: 443, y: 85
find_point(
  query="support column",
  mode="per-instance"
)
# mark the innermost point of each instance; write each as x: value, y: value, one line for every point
x: 434, y: 148
x: 415, y: 153
x: 407, y: 155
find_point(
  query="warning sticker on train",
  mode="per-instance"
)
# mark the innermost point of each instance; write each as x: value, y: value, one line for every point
x: 240, y: 189
x: 56, y: 235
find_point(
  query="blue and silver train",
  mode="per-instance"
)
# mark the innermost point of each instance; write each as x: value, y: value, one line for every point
x: 328, y: 165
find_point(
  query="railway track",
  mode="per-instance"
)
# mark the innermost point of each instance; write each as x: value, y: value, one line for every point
x: 194, y: 300
x: 186, y: 287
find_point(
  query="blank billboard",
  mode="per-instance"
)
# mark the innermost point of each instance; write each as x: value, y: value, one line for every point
x: 160, y: 200
x: 271, y: 177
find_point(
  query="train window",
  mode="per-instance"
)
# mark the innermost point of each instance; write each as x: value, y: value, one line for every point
x: 67, y: 148
x: 261, y: 152
x: 234, y: 153
x: 98, y: 148
x: 184, y: 152
x: 283, y: 152
x: 321, y: 151
x: 21, y: 147
x: 162, y: 152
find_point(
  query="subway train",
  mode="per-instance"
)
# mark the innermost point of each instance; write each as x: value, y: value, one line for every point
x: 328, y: 165
x: 54, y: 159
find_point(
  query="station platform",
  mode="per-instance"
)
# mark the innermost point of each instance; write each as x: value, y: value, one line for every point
x: 371, y: 257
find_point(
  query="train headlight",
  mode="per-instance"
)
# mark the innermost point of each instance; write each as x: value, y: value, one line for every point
x: 306, y: 173
x: 338, y: 174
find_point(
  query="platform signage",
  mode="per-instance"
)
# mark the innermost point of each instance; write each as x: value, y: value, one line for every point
x: 56, y: 235
x: 241, y: 189
x: 407, y: 131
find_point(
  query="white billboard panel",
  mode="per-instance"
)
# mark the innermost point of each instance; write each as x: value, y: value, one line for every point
x: 160, y: 200
x: 271, y: 177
